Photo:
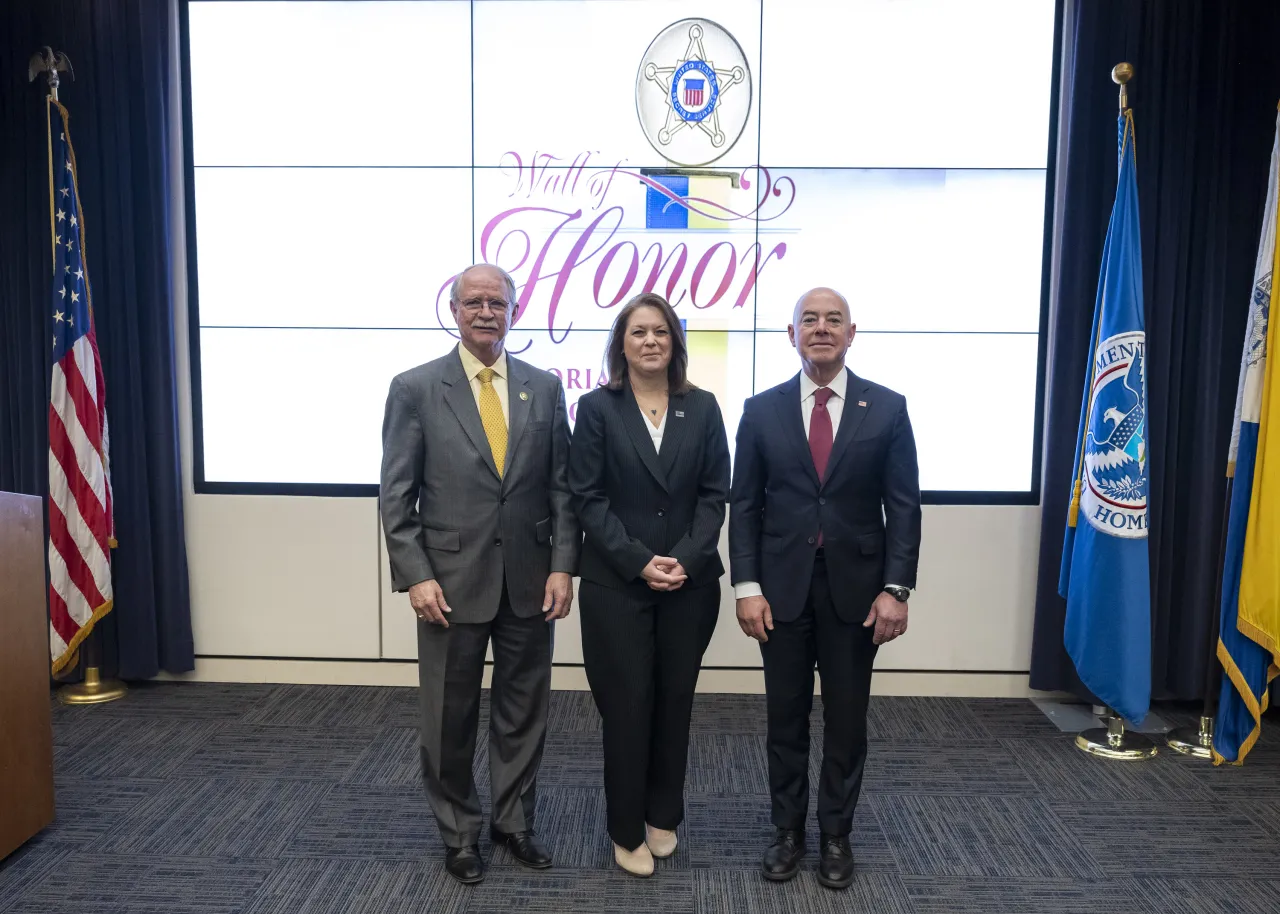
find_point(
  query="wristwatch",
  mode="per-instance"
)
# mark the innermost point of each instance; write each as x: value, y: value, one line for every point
x: 901, y: 594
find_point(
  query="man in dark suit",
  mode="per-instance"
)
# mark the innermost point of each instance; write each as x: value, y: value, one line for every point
x: 824, y: 538
x: 476, y: 509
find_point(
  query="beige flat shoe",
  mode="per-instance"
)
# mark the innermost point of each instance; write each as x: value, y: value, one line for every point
x: 661, y: 843
x: 638, y: 862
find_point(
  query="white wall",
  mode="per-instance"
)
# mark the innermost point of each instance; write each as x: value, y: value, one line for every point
x: 301, y: 577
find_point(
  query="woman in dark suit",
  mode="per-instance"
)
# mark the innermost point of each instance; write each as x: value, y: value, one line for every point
x: 649, y: 473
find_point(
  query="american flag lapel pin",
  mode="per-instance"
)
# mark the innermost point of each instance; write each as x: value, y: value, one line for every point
x: 862, y: 402
x: 679, y: 414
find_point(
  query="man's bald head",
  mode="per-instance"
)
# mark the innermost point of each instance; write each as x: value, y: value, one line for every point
x: 821, y: 300
x: 822, y: 331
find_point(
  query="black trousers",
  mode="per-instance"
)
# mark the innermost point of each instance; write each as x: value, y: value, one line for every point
x: 642, y: 655
x: 844, y: 654
x: 450, y: 667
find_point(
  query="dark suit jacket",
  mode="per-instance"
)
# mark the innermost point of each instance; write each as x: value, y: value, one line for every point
x: 635, y: 503
x: 446, y: 512
x: 868, y: 507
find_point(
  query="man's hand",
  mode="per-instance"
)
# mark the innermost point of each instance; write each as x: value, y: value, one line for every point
x: 661, y: 573
x: 558, y: 599
x: 888, y: 616
x: 755, y: 617
x: 428, y: 602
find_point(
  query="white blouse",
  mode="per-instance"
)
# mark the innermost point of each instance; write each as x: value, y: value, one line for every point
x: 655, y: 432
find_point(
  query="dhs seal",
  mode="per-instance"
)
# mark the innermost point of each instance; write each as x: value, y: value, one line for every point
x: 1114, y: 495
x: 693, y: 92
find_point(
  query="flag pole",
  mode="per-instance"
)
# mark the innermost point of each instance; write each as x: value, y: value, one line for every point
x: 1111, y: 741
x: 94, y: 689
x: 1197, y: 741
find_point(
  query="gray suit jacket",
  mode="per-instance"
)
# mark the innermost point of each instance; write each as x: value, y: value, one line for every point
x: 446, y: 513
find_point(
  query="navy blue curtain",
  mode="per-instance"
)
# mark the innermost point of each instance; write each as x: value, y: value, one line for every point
x: 1204, y: 97
x: 119, y: 105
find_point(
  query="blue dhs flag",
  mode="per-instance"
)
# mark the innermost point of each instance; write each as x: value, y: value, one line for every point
x: 1104, y: 559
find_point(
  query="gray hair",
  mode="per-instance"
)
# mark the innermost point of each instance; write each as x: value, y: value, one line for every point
x: 457, y: 280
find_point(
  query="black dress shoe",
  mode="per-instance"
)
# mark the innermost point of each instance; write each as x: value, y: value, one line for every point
x: 835, y: 867
x: 782, y: 859
x: 464, y: 864
x: 525, y: 847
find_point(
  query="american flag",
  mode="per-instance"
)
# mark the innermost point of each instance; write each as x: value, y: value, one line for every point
x: 81, y: 530
x: 693, y: 89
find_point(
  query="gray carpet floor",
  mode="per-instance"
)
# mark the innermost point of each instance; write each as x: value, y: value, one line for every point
x: 212, y: 799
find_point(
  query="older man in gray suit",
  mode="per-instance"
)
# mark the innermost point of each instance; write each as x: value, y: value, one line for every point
x: 475, y: 506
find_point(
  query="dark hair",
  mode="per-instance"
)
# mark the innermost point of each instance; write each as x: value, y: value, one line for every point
x: 616, y: 360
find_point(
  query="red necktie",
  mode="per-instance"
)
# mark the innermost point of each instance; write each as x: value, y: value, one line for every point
x: 820, y: 434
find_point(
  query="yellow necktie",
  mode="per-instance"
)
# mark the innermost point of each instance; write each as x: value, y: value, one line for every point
x: 495, y: 427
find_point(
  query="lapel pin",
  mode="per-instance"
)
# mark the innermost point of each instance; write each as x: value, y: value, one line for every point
x: 862, y: 402
x: 524, y: 395
x: 679, y: 414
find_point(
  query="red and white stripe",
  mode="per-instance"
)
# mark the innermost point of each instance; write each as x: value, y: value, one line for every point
x: 81, y: 530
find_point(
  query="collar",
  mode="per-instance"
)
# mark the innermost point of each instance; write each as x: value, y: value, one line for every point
x: 838, y: 385
x: 471, y: 366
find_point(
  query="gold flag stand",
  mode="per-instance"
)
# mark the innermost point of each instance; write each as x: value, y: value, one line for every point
x: 1194, y: 741
x: 1115, y: 742
x: 94, y: 690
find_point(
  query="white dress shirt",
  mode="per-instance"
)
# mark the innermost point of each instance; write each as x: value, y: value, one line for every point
x: 471, y: 367
x: 835, y: 409
x: 835, y: 405
x: 655, y: 431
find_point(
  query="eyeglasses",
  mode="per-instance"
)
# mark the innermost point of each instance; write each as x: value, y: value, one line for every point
x: 475, y: 305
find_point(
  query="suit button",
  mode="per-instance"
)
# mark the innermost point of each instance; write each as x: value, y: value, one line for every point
x: 821, y: 501
x: 662, y: 513
x: 498, y: 541
x: 812, y: 541
x: 503, y: 502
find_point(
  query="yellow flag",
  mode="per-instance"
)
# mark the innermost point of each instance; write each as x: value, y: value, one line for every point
x: 1260, y: 572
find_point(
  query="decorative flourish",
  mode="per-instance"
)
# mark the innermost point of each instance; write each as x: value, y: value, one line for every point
x: 769, y: 191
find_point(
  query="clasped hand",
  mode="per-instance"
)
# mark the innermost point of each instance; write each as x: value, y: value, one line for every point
x: 664, y: 573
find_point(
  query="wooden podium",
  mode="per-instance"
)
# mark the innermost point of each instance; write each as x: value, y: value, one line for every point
x: 26, y: 733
